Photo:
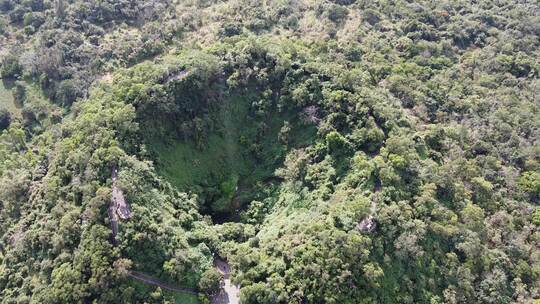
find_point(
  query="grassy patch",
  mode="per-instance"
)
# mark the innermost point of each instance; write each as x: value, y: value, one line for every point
x: 7, y: 101
x: 143, y: 290
x: 183, y: 298
x: 241, y: 150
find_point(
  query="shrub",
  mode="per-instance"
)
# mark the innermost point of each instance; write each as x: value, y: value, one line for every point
x: 5, y: 119
x: 10, y: 67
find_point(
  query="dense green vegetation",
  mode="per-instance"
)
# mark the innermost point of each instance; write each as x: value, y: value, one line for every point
x: 264, y: 133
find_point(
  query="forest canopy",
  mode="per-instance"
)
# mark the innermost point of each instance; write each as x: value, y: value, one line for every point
x: 325, y: 151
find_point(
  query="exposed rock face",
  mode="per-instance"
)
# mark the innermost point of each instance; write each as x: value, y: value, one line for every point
x: 367, y: 225
x: 177, y: 76
x: 118, y: 208
x: 118, y: 200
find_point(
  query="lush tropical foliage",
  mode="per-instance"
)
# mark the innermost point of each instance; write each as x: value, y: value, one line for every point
x: 264, y: 133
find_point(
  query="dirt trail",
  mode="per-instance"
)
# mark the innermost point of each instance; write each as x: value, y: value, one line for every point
x: 230, y: 293
x: 178, y: 76
x: 153, y: 281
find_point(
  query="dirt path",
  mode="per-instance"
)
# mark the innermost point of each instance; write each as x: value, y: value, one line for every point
x: 230, y: 293
x: 178, y: 76
x: 153, y: 281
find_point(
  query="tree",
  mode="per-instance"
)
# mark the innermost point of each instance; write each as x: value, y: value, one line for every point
x: 494, y: 288
x: 210, y: 282
x: 335, y: 142
x: 257, y: 293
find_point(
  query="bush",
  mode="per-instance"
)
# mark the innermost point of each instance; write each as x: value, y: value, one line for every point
x: 337, y: 13
x: 536, y: 217
x: 230, y: 29
x: 19, y: 93
x: 530, y: 183
x: 33, y: 19
x: 5, y: 119
x: 67, y: 92
x: 6, y: 5
x: 3, y: 25
x: 10, y: 67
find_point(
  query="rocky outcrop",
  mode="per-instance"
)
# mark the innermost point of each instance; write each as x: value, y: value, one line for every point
x: 118, y: 201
